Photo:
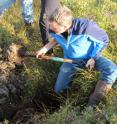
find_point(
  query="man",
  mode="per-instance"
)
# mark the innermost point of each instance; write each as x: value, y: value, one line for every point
x: 47, y: 8
x: 82, y: 40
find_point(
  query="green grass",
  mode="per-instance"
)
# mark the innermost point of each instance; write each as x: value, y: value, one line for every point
x: 41, y: 74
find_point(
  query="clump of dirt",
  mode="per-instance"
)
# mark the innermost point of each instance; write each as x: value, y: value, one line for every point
x: 13, y: 53
x: 28, y: 116
x: 12, y: 82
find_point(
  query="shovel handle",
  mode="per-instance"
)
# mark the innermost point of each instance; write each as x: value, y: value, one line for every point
x: 45, y: 57
x: 58, y: 59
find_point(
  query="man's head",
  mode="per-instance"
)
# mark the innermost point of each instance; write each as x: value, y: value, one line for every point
x: 60, y: 20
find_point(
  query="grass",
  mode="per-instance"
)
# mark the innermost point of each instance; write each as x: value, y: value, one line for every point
x: 41, y: 74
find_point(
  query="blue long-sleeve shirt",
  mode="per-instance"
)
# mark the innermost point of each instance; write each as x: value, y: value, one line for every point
x: 85, y: 40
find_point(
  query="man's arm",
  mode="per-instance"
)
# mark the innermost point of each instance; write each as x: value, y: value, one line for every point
x: 98, y: 36
x: 46, y: 48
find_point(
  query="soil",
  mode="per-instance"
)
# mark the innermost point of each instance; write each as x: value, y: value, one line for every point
x: 12, y: 86
x: 11, y: 81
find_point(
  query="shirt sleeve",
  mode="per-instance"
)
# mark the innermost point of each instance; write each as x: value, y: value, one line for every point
x: 98, y: 33
x: 98, y: 47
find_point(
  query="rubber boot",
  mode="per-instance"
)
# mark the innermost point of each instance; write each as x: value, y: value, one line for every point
x: 101, y: 89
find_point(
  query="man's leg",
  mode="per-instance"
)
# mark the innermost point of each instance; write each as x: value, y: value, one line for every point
x: 27, y: 11
x: 65, y: 77
x: 108, y: 76
x: 101, y: 89
x: 47, y: 8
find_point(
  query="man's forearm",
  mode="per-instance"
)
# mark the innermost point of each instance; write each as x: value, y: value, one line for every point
x: 49, y: 45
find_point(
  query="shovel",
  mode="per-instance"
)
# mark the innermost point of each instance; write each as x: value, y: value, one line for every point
x: 16, y: 53
x: 23, y: 53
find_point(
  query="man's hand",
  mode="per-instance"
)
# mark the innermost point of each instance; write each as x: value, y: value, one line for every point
x: 40, y: 53
x: 90, y: 63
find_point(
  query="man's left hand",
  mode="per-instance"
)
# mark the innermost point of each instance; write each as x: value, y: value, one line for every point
x: 90, y: 64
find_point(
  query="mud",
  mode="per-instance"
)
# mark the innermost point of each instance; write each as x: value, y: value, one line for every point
x: 12, y: 86
x: 13, y: 55
x: 11, y: 82
x: 28, y: 116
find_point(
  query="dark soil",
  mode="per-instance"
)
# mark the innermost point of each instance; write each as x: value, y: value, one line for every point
x: 12, y: 86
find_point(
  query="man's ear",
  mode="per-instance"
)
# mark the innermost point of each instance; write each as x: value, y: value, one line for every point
x: 66, y: 27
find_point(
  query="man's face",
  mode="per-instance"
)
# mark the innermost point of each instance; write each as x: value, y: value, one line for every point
x: 56, y: 27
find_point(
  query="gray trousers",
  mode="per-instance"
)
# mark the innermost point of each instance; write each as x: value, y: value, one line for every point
x: 47, y: 8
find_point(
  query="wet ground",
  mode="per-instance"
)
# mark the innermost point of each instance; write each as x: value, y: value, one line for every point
x: 12, y: 86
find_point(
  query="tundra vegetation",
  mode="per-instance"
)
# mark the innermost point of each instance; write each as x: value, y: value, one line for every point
x: 30, y: 88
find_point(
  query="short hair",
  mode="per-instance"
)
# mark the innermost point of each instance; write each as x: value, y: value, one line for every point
x: 62, y: 15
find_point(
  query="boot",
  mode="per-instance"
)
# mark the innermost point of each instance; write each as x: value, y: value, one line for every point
x: 101, y: 89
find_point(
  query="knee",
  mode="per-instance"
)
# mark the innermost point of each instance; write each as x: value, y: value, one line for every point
x: 66, y: 67
x: 59, y: 86
x: 60, y: 89
x: 110, y: 73
x: 57, y: 89
x: 110, y: 68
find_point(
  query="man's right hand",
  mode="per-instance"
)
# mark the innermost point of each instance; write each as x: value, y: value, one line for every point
x: 40, y: 53
x: 45, y: 49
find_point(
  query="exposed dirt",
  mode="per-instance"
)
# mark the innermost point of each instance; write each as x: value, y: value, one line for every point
x: 11, y: 82
x: 13, y: 53
x: 28, y: 116
x: 12, y: 85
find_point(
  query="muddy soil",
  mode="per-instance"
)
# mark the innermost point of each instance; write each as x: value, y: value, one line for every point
x: 12, y: 86
x: 11, y: 82
x: 27, y: 116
